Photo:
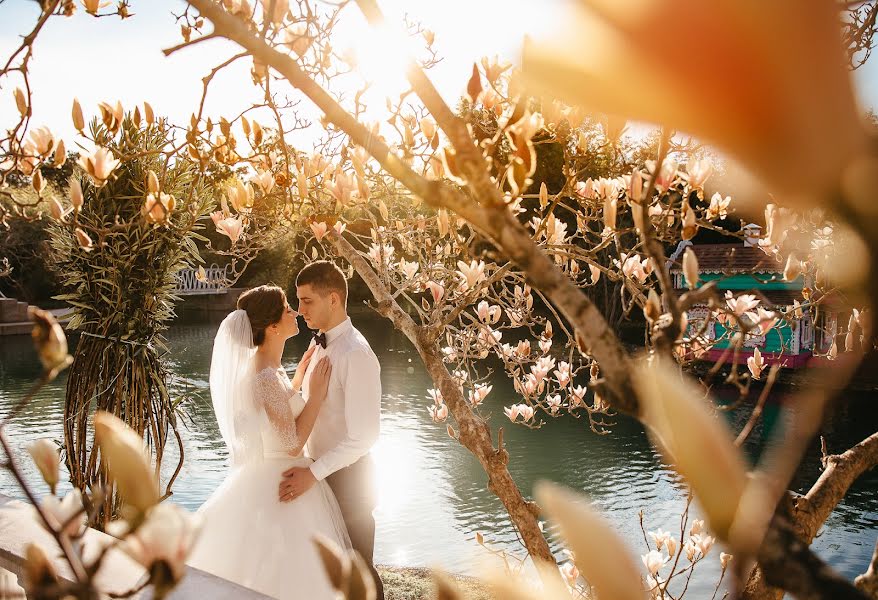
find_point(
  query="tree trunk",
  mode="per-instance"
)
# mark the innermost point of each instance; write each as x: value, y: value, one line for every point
x: 473, y: 431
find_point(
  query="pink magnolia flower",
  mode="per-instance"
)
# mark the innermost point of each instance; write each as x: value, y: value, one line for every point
x: 62, y: 512
x: 653, y: 561
x: 46, y: 458
x: 479, y: 393
x: 719, y: 207
x: 165, y: 538
x: 741, y: 304
x: 755, y: 364
x: 231, y: 227
x: 697, y: 172
x: 99, y: 165
x: 471, y: 274
x: 158, y: 210
x: 436, y: 290
x: 319, y: 229
x: 438, y: 412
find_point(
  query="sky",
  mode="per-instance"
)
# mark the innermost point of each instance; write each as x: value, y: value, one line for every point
x: 107, y: 59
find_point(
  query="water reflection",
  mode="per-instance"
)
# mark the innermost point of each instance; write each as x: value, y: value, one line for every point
x: 434, y: 495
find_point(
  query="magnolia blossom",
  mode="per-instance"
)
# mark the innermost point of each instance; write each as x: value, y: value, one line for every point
x: 545, y: 345
x: 764, y: 320
x: 666, y: 175
x: 755, y: 364
x: 719, y: 207
x: 697, y: 172
x: 585, y: 189
x: 691, y: 550
x: 635, y: 267
x: 578, y: 395
x: 522, y: 350
x: 554, y: 402
x: 436, y: 290
x: 479, y: 393
x: 240, y: 195
x: 158, y: 210
x: 165, y: 538
x: 487, y: 313
x: 381, y: 254
x: 595, y: 273
x: 660, y: 538
x: 265, y: 181
x: 61, y: 513
x: 42, y: 140
x: 653, y: 561
x: 93, y: 6
x: 471, y: 274
x: 690, y: 268
x: 438, y: 412
x: 319, y: 229
x: 231, y: 227
x: 46, y: 458
x: 99, y: 165
x: 525, y: 411
x: 562, y: 373
x: 703, y: 542
x: 741, y: 304
x: 342, y: 187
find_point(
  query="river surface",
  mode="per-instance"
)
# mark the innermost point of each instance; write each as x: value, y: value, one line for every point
x: 434, y: 496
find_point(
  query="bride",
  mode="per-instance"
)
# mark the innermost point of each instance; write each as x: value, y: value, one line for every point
x: 250, y: 537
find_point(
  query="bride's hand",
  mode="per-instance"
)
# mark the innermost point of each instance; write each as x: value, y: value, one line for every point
x: 299, y: 377
x: 320, y: 380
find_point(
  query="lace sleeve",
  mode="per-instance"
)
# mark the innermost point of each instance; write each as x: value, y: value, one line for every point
x: 274, y: 397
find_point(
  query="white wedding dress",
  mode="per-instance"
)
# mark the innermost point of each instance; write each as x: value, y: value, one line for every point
x: 249, y: 536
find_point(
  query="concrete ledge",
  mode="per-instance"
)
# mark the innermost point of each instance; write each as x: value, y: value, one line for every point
x: 19, y: 527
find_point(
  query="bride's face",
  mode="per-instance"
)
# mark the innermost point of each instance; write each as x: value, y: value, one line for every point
x: 288, y: 326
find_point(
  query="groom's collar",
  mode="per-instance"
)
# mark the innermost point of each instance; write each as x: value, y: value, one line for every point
x: 339, y: 330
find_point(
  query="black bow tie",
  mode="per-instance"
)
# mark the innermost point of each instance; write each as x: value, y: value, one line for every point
x: 320, y: 338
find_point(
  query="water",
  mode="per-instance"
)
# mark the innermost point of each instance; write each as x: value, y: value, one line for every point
x: 434, y: 496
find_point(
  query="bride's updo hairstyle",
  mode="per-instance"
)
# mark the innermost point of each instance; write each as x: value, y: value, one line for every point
x: 264, y: 306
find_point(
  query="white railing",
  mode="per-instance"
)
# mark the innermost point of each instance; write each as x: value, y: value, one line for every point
x: 188, y: 283
x: 19, y: 527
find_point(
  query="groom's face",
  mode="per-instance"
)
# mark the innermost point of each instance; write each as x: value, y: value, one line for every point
x: 315, y: 308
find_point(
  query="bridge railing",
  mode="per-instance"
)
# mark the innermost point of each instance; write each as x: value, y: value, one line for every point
x: 118, y: 573
x: 215, y: 282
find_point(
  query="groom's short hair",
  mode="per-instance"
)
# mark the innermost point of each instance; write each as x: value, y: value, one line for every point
x: 324, y: 277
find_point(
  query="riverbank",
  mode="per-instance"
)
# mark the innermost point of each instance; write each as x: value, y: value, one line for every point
x: 417, y: 583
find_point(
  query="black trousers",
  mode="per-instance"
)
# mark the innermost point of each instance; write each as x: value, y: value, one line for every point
x: 354, y: 488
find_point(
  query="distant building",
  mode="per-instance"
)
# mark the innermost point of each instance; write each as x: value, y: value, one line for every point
x: 747, y: 269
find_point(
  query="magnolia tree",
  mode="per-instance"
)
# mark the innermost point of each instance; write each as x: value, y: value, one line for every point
x: 439, y: 216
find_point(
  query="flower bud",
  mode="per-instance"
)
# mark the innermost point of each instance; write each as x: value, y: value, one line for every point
x: 127, y: 463
x: 21, y: 101
x: 76, y: 197
x: 49, y: 339
x: 83, y: 239
x: 152, y: 182
x: 46, y: 458
x: 60, y: 155
x: 37, y: 181
x: 76, y: 113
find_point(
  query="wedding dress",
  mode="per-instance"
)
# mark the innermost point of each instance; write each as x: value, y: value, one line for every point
x: 249, y: 536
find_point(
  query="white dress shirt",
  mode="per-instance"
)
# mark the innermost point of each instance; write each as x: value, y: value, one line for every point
x: 348, y: 424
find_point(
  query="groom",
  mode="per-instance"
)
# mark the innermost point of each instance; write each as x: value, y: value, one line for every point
x: 348, y: 423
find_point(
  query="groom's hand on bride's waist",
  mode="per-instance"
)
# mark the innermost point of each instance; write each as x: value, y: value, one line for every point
x: 295, y: 482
